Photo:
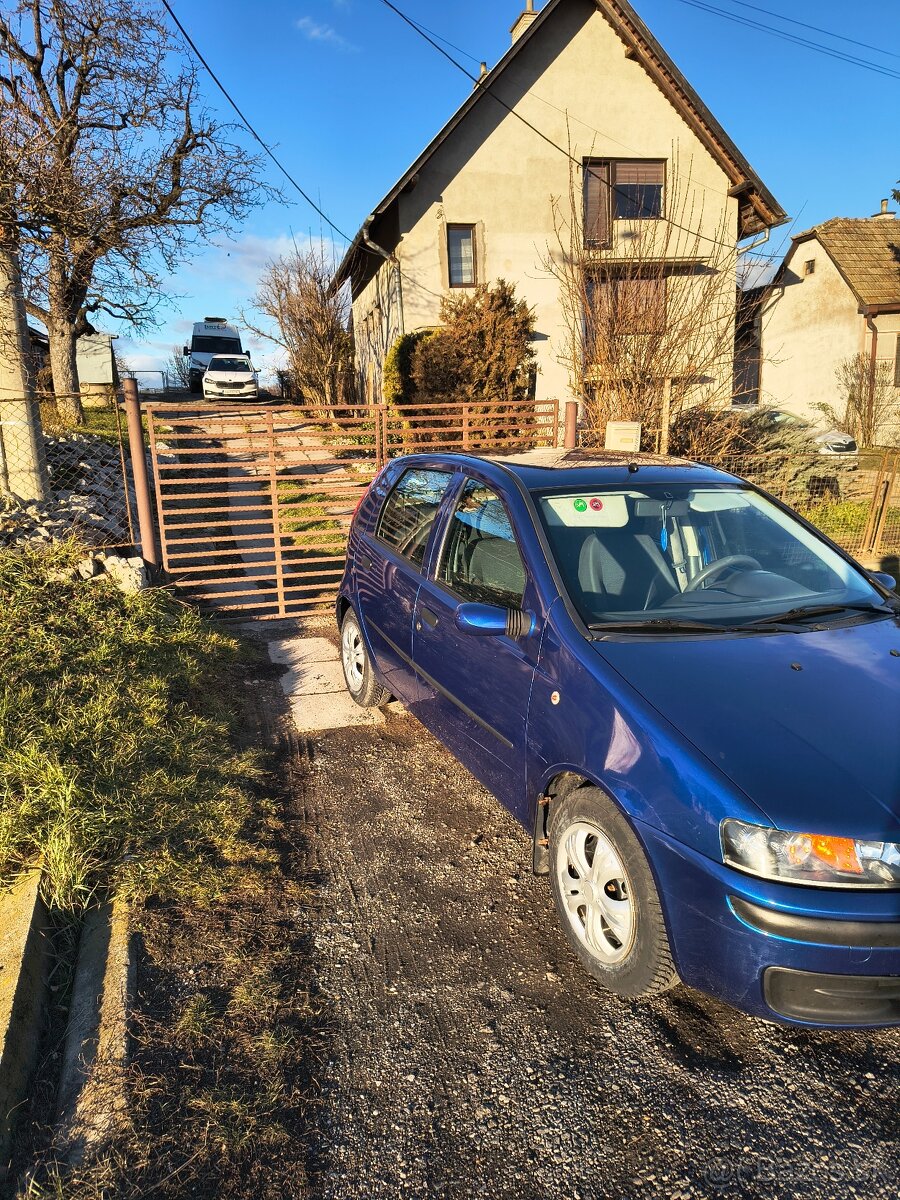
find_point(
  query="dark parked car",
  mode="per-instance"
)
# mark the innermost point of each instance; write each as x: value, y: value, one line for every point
x: 687, y: 695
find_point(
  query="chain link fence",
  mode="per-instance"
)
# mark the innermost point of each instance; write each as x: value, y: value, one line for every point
x: 61, y: 480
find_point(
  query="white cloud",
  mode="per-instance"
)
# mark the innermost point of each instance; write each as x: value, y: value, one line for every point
x: 317, y: 31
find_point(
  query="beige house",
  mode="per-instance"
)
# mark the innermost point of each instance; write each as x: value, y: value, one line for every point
x: 836, y: 295
x: 584, y: 83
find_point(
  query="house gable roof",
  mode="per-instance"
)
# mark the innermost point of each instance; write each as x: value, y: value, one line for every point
x: 758, y: 208
x: 866, y: 252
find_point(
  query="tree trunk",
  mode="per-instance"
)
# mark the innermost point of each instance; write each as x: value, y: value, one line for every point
x: 65, y: 370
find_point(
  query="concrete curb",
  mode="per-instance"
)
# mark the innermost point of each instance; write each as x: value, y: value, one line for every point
x: 24, y: 962
x: 91, y: 1098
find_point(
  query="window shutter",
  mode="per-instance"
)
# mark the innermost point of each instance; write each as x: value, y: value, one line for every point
x: 640, y: 174
x: 596, y: 204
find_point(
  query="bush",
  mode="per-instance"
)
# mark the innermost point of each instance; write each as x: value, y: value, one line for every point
x: 397, y: 385
x: 482, y: 352
x: 116, y: 758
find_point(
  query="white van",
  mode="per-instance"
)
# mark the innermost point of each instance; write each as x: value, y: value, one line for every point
x: 212, y: 335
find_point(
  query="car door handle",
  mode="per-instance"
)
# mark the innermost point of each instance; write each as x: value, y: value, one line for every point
x: 428, y: 617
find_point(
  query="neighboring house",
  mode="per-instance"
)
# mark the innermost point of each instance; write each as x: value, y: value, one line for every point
x: 836, y: 295
x: 38, y: 356
x: 478, y: 203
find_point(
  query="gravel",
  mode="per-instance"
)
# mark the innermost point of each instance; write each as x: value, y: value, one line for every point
x: 465, y: 1054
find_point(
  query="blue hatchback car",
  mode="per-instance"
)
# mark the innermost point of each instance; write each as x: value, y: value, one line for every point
x: 687, y: 695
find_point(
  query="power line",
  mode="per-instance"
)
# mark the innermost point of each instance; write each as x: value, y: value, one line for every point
x: 816, y: 29
x: 281, y: 167
x: 807, y: 43
x: 540, y: 133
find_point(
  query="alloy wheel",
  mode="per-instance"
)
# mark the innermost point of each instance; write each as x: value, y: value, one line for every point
x: 596, y: 892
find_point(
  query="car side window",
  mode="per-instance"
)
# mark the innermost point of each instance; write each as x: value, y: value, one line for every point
x: 409, y: 512
x: 481, y: 561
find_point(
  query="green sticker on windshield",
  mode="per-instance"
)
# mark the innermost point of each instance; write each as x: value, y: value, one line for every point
x: 580, y: 506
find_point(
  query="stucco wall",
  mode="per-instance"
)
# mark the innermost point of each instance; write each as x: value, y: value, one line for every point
x: 809, y: 326
x: 495, y: 172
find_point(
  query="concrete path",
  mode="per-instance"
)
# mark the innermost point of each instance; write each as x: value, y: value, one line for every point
x: 314, y: 686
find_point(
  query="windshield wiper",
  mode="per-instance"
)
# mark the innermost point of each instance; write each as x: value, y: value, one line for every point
x: 824, y: 610
x: 658, y: 625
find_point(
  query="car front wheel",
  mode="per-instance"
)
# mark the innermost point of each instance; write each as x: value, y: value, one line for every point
x: 606, y: 897
x: 359, y: 674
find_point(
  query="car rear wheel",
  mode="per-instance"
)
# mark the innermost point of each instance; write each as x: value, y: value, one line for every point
x: 606, y: 897
x: 359, y: 674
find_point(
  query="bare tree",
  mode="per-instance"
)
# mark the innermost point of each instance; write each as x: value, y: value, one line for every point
x: 310, y: 324
x: 114, y: 166
x: 648, y: 306
x: 870, y: 407
x: 178, y: 369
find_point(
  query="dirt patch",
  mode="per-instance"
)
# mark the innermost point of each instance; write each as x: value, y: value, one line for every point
x: 386, y: 1008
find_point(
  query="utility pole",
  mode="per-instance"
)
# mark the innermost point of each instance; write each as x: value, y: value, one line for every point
x: 23, y: 468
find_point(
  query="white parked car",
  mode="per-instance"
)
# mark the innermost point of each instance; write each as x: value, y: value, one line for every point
x: 827, y: 441
x: 231, y: 376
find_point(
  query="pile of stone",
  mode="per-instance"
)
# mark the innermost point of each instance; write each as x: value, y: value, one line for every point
x: 86, y: 497
x: 128, y: 574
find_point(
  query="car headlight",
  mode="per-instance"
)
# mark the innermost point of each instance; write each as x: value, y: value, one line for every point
x: 810, y: 857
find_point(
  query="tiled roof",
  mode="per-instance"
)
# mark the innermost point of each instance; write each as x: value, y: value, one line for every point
x: 867, y: 253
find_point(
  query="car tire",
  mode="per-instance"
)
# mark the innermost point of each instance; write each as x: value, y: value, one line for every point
x: 606, y: 897
x: 359, y: 674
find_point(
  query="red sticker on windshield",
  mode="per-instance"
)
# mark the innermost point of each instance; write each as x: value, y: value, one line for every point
x: 596, y: 504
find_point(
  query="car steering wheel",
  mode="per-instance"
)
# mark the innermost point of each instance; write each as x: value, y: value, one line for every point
x: 720, y: 565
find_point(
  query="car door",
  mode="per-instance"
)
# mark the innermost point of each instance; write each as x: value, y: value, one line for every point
x: 389, y: 561
x: 474, y: 690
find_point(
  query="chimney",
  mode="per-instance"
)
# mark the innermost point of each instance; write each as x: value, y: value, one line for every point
x: 524, y: 21
x: 482, y: 75
x: 886, y: 214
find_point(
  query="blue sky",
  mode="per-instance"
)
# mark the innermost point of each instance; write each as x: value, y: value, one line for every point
x: 348, y: 96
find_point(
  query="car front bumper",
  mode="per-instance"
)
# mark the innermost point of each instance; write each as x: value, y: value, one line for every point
x: 214, y: 392
x: 801, y: 955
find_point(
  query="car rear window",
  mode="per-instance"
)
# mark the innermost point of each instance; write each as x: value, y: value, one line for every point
x: 410, y: 510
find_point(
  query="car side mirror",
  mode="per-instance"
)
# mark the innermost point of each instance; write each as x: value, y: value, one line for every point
x: 490, y: 620
x: 186, y: 351
x: 887, y: 581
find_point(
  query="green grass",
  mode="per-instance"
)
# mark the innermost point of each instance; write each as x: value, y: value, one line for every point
x: 117, y: 765
x: 844, y: 521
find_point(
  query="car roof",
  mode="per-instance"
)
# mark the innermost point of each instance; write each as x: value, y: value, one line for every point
x: 552, y: 468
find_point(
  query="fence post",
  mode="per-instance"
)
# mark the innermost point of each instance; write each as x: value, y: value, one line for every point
x: 276, y: 514
x: 465, y: 427
x: 882, y: 516
x: 381, y: 415
x: 571, y: 433
x: 665, y: 419
x: 146, y: 530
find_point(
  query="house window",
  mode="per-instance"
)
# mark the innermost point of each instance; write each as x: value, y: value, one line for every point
x: 620, y: 191
x: 461, y: 255
x: 629, y: 306
x: 809, y: 267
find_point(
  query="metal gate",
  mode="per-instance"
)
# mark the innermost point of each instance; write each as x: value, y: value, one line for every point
x: 254, y: 502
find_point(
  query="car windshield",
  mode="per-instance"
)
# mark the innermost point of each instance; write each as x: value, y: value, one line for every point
x: 671, y: 553
x: 230, y: 364
x: 210, y: 344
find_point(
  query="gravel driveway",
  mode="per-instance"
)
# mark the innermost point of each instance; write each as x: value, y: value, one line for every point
x: 466, y: 1055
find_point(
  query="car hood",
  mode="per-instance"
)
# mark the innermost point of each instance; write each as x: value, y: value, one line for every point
x: 229, y: 377
x: 805, y: 724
